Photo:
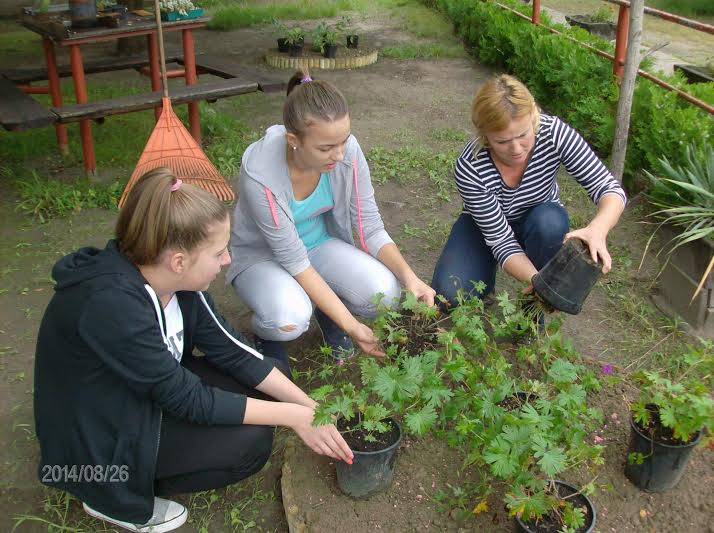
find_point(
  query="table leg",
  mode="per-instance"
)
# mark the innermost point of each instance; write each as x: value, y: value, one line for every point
x: 154, y: 68
x: 85, y: 126
x: 55, y: 91
x: 189, y: 64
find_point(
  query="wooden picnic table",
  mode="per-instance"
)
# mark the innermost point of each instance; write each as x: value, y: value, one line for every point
x: 58, y: 34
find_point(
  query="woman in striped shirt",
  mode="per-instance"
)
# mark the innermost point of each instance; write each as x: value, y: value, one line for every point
x: 512, y: 214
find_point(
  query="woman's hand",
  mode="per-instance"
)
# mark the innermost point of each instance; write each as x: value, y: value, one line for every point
x: 421, y: 290
x: 366, y: 339
x: 596, y: 239
x: 325, y: 440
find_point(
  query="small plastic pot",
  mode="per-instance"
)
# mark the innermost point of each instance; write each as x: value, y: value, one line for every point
x: 663, y: 465
x: 283, y: 45
x: 352, y: 41
x: 566, y: 280
x: 83, y: 13
x: 370, y: 472
x: 564, y: 489
x: 329, y: 51
x: 296, y: 49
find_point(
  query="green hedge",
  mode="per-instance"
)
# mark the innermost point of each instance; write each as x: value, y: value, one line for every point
x: 574, y: 83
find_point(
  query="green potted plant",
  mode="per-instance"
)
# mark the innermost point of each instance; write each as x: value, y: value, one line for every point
x: 525, y: 445
x: 329, y: 43
x: 669, y: 419
x: 406, y: 389
x: 345, y: 27
x: 295, y: 39
x: 172, y: 10
x: 684, y: 196
x: 281, y: 31
x: 318, y: 36
x: 598, y: 23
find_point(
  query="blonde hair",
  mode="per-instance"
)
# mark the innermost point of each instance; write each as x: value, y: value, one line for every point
x: 155, y: 217
x: 497, y: 103
x: 309, y: 101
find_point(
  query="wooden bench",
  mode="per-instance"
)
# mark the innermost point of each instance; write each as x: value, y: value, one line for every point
x: 28, y: 75
x: 19, y: 111
x: 139, y: 102
x: 228, y: 67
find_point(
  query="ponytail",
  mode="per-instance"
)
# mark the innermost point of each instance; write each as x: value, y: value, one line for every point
x: 311, y: 100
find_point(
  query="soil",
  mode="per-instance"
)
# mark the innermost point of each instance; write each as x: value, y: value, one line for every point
x: 365, y: 441
x: 658, y: 433
x: 517, y: 400
x: 394, y: 104
x: 552, y: 522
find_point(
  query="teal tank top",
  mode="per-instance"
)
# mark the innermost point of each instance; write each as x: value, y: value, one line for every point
x: 309, y: 214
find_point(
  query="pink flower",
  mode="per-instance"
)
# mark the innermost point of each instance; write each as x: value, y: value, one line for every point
x: 608, y: 369
x: 598, y: 439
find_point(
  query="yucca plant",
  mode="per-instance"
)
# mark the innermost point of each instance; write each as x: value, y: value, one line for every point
x: 685, y: 198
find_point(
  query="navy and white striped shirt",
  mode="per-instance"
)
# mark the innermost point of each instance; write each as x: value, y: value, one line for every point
x: 492, y: 203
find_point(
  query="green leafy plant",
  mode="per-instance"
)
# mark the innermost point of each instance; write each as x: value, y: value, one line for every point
x: 603, y: 14
x: 280, y: 29
x: 685, y: 198
x: 294, y: 36
x: 523, y: 441
x: 675, y: 410
x: 324, y: 35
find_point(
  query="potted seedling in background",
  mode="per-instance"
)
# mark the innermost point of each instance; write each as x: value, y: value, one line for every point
x: 669, y: 419
x: 295, y: 39
x: 282, y: 32
x: 345, y: 27
x: 329, y: 43
x: 318, y: 36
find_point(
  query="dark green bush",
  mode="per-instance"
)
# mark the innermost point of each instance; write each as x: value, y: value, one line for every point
x: 576, y: 84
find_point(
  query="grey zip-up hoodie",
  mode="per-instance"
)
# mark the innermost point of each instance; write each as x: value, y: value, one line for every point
x: 263, y: 224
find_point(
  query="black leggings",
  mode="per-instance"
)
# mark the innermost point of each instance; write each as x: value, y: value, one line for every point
x: 195, y: 457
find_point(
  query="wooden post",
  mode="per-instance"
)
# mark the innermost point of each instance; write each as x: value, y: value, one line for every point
x: 154, y: 69
x: 536, y: 12
x: 623, y: 25
x: 627, y: 88
x: 85, y: 126
x: 55, y: 91
x: 189, y: 64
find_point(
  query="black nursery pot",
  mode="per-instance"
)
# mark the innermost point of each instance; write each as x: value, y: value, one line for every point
x: 283, y: 45
x: 663, y: 465
x: 370, y: 472
x: 566, y: 280
x: 352, y: 41
x: 330, y: 51
x: 296, y: 49
x: 564, y: 489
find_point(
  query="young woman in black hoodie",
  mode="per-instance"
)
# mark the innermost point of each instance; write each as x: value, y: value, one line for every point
x: 124, y: 410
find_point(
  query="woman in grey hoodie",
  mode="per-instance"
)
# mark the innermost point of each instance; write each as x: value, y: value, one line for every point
x: 305, y: 196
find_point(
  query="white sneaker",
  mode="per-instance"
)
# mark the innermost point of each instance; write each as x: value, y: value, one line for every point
x: 168, y: 515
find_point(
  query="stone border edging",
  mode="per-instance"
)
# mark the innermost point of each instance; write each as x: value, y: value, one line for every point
x: 279, y: 60
x: 295, y: 519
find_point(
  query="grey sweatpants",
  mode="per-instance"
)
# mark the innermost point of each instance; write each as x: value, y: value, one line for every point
x: 278, y: 300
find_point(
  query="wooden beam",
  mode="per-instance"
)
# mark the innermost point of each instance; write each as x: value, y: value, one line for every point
x: 139, y: 102
x: 19, y: 111
x: 27, y: 75
x: 226, y: 67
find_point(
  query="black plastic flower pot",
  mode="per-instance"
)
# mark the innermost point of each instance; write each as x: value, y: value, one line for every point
x: 352, y: 41
x: 329, y: 51
x: 574, y: 497
x: 283, y: 45
x: 663, y: 464
x: 296, y: 49
x: 566, y: 280
x: 371, y: 471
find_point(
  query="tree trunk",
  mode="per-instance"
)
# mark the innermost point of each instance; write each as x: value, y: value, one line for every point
x: 627, y: 88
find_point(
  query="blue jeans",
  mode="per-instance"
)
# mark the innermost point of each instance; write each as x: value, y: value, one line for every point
x: 466, y: 257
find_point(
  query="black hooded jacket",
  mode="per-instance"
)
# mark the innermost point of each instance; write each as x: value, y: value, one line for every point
x: 103, y: 376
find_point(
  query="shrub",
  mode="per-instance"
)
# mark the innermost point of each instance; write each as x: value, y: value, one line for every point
x: 577, y: 85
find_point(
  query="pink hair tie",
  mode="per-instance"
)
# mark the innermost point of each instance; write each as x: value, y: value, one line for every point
x: 306, y: 79
x: 176, y: 185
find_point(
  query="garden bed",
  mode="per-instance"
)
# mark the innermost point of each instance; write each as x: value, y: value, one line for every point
x: 347, y: 58
x: 426, y: 468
